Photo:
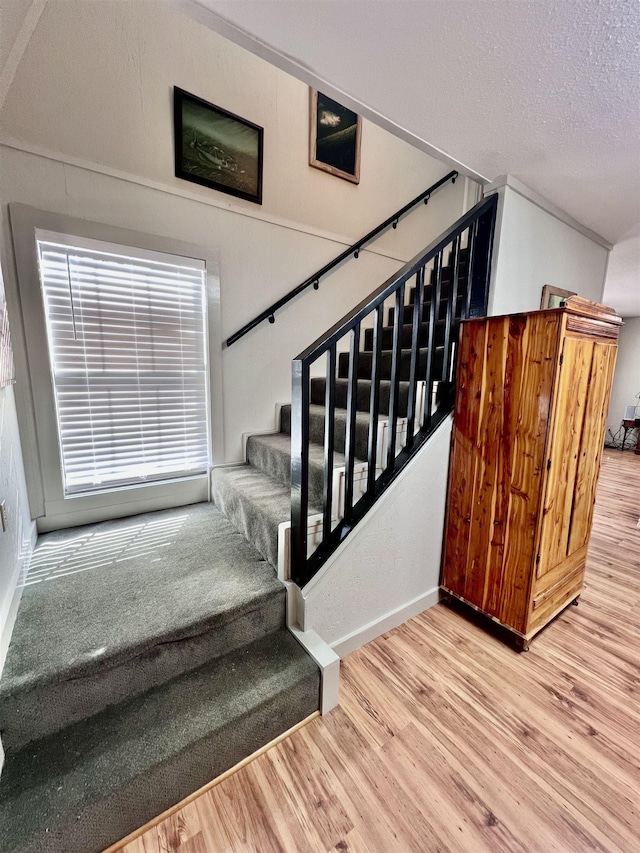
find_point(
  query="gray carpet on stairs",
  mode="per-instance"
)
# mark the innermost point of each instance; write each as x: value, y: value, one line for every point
x: 255, y: 503
x: 95, y: 782
x: 123, y: 605
x: 149, y: 655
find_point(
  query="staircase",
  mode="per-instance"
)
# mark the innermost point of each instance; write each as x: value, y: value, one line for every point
x: 150, y: 654
x: 256, y: 496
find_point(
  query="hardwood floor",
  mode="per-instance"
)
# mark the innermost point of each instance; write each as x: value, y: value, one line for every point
x: 446, y: 739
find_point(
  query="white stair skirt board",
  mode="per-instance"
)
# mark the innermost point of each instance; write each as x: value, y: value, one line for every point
x: 328, y: 663
x: 275, y: 428
x: 314, y: 538
x: 360, y: 479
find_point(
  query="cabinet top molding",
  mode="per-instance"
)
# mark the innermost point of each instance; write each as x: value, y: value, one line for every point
x: 576, y: 305
x: 586, y: 308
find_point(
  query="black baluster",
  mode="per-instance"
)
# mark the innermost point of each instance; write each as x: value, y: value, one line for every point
x: 471, y: 242
x: 394, y: 384
x: 350, y: 430
x: 415, y: 354
x: 329, y: 432
x: 374, y: 404
x: 451, y: 310
x: 299, y: 469
x: 431, y: 341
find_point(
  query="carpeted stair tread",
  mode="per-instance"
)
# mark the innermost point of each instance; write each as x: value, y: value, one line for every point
x: 363, y: 394
x: 365, y: 361
x: 407, y: 336
x: 407, y: 313
x: 89, y: 786
x: 271, y: 454
x: 255, y: 503
x: 316, y: 427
x: 124, y: 605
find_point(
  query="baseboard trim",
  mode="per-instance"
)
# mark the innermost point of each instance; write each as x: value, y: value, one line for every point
x: 115, y: 848
x: 385, y: 623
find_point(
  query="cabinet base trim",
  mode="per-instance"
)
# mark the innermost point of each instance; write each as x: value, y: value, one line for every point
x: 521, y: 639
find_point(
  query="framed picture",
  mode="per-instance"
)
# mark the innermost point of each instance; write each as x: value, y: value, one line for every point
x: 216, y: 148
x: 553, y: 297
x: 334, y: 138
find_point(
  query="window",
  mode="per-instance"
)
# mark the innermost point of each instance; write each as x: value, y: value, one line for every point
x: 127, y: 337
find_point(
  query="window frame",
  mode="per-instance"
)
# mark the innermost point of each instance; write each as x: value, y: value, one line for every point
x: 38, y: 424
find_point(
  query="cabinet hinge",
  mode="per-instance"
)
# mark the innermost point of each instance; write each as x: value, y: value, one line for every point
x: 548, y: 464
x: 561, y: 357
x: 537, y: 559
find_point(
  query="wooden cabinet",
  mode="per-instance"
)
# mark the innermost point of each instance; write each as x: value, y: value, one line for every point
x: 532, y: 397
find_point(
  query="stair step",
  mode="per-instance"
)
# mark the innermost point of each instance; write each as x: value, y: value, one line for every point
x: 407, y: 333
x: 89, y: 786
x: 254, y: 503
x: 363, y: 394
x: 316, y: 428
x: 125, y: 605
x: 447, y: 272
x: 407, y: 313
x: 271, y: 454
x: 366, y: 358
x: 444, y: 289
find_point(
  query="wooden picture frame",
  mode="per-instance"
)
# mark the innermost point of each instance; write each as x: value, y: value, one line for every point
x: 216, y: 148
x: 335, y: 135
x: 553, y: 297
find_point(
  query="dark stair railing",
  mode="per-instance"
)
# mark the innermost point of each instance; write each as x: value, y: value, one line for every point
x: 402, y: 372
x: 353, y: 251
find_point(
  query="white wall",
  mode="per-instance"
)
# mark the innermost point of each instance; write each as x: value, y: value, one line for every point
x: 17, y: 542
x: 388, y: 568
x: 534, y: 248
x: 622, y: 286
x: 626, y: 380
x: 88, y: 132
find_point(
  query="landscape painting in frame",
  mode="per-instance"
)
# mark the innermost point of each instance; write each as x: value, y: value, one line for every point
x: 217, y: 149
x: 334, y: 138
x: 7, y: 373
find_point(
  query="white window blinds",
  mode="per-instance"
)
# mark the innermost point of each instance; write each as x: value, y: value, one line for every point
x: 127, y: 342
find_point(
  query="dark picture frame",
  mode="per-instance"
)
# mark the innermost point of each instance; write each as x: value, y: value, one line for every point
x: 217, y: 149
x: 335, y: 135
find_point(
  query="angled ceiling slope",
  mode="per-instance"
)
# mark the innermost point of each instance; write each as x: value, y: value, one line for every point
x: 548, y: 92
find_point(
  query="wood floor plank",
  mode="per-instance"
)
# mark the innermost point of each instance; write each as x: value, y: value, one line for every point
x: 449, y: 741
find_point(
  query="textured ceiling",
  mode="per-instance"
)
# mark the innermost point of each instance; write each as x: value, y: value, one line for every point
x: 545, y: 90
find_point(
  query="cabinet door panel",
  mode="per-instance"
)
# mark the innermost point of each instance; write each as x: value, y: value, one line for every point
x: 480, y: 581
x: 528, y: 383
x: 569, y: 416
x: 592, y: 444
x: 464, y: 456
